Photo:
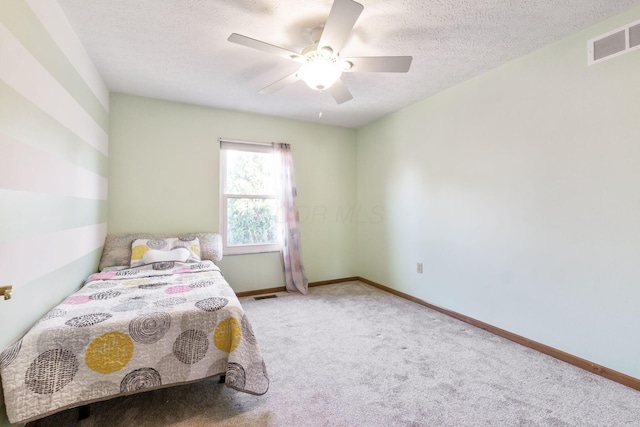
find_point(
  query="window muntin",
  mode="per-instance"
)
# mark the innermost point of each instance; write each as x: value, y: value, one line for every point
x: 249, y: 208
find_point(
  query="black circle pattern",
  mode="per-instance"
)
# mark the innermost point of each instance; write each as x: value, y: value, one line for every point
x: 201, y: 284
x: 235, y: 375
x: 87, y: 320
x: 163, y: 265
x: 140, y: 379
x: 105, y: 295
x: 101, y: 285
x: 152, y: 285
x: 149, y: 328
x: 156, y: 243
x: 51, y: 371
x: 10, y: 354
x: 56, y: 312
x: 190, y: 346
x: 212, y: 304
x: 126, y: 272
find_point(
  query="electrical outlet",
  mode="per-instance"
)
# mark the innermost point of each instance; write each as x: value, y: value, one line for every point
x: 420, y: 267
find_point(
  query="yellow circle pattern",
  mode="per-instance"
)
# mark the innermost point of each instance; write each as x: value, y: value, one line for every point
x: 227, y: 335
x: 138, y: 251
x: 109, y: 352
x: 195, y: 249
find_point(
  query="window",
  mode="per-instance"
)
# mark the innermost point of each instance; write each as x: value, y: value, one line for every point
x: 249, y: 198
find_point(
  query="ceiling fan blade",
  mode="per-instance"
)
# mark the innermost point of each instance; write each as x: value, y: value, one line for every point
x: 378, y: 64
x: 342, y: 18
x: 339, y: 92
x: 286, y: 81
x: 265, y: 47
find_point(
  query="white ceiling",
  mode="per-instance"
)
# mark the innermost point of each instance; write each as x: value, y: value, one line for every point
x: 178, y: 49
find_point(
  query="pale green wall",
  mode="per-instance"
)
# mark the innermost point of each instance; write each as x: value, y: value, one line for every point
x: 164, y: 168
x: 519, y: 191
x: 53, y: 164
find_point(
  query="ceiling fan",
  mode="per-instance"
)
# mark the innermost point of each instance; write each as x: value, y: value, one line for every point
x: 321, y: 64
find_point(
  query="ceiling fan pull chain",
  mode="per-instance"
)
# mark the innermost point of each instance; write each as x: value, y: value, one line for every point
x: 320, y: 114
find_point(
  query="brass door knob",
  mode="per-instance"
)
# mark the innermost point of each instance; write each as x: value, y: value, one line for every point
x: 6, y: 291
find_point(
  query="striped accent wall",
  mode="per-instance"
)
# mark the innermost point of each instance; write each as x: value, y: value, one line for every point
x: 54, y: 146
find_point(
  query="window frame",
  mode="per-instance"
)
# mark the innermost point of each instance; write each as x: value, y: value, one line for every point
x: 225, y: 146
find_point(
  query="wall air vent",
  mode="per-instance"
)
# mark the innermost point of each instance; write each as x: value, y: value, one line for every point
x: 614, y: 43
x: 634, y: 35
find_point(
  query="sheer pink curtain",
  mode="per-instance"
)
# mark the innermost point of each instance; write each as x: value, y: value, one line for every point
x: 294, y: 274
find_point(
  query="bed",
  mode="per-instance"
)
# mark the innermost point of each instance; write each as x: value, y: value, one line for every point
x: 158, y: 313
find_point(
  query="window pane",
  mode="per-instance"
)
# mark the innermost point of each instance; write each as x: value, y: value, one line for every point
x: 251, y: 222
x: 250, y: 173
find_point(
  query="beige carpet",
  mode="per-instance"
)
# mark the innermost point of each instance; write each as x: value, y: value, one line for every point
x: 352, y: 355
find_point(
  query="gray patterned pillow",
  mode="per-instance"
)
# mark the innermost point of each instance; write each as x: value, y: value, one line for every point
x: 117, y: 246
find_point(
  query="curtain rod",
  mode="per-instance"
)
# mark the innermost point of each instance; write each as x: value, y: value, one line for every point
x: 237, y: 141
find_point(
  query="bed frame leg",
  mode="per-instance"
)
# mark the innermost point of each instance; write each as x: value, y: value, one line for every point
x: 222, y: 379
x: 83, y: 412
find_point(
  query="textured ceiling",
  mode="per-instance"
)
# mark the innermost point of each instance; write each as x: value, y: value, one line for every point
x: 178, y: 49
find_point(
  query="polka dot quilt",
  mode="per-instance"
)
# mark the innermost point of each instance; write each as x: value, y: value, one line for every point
x: 132, y: 330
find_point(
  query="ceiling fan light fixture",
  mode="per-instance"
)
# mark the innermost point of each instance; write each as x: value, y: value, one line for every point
x: 320, y: 70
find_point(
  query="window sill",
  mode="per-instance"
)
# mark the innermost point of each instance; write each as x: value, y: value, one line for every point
x: 266, y: 251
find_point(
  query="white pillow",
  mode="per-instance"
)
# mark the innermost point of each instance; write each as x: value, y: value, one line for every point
x: 153, y: 255
x: 140, y: 247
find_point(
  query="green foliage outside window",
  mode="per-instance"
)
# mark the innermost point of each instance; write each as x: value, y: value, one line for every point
x: 250, y: 220
x: 250, y: 173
